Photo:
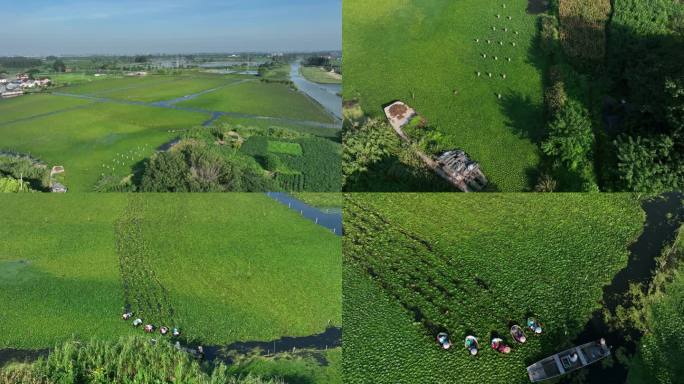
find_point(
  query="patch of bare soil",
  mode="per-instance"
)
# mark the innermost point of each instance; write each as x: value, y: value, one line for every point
x: 535, y: 7
x: 398, y: 111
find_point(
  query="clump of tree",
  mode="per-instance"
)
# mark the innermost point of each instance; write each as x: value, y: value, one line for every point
x: 59, y: 66
x: 20, y: 62
x: 375, y: 159
x: 12, y: 185
x: 25, y: 170
x: 127, y: 360
x: 644, y: 62
x: 570, y: 137
x: 195, y: 166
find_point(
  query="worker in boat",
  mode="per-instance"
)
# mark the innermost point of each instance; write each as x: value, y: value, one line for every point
x: 472, y: 345
x: 127, y: 315
x: 175, y: 332
x: 200, y: 352
x: 163, y: 330
x: 499, y: 346
x: 137, y: 322
x: 518, y: 334
x: 443, y: 340
x: 574, y: 357
x: 534, y: 325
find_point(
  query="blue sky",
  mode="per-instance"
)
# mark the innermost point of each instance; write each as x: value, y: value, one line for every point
x: 54, y: 27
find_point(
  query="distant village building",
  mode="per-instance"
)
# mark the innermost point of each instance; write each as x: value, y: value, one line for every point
x: 454, y: 166
x: 14, y: 88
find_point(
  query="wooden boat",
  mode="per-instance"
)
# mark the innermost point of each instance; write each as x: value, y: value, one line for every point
x: 566, y: 361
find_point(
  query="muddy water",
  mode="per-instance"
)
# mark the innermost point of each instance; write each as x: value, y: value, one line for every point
x: 664, y: 216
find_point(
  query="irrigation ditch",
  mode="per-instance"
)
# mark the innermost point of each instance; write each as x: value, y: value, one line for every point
x: 664, y: 216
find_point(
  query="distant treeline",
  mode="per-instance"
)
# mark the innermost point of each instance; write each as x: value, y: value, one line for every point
x: 323, y: 61
x: 20, y: 62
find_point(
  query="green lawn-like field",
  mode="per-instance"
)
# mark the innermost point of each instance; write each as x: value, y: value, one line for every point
x: 228, y: 268
x: 285, y: 148
x: 320, y: 75
x: 262, y: 99
x: 28, y: 106
x: 426, y: 54
x: 99, y: 138
x: 419, y: 263
x: 150, y: 88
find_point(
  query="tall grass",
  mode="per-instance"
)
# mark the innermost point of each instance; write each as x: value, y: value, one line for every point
x: 128, y: 360
x: 583, y: 25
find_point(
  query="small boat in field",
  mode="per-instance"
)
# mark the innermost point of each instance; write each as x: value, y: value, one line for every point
x: 568, y: 361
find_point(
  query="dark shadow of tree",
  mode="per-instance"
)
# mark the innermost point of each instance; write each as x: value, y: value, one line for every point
x: 525, y: 117
x: 391, y: 174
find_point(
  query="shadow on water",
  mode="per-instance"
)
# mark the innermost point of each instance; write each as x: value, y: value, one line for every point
x: 331, y: 338
x: 664, y: 216
x: 21, y: 355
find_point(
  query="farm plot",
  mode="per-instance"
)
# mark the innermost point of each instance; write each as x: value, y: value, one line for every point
x: 151, y: 88
x: 98, y: 139
x: 242, y: 267
x: 29, y: 106
x: 470, y: 67
x: 309, y: 164
x: 262, y: 99
x: 472, y: 265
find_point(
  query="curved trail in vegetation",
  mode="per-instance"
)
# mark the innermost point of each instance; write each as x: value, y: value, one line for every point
x: 664, y: 216
x: 144, y: 294
x: 370, y: 229
x: 329, y: 220
x: 214, y: 114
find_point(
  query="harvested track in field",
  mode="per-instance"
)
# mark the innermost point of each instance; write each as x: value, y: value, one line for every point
x: 144, y: 294
x: 432, y: 286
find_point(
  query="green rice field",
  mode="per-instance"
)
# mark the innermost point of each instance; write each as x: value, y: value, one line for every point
x: 263, y: 99
x: 438, y: 56
x: 223, y: 268
x: 94, y: 139
x: 113, y: 134
x: 417, y: 264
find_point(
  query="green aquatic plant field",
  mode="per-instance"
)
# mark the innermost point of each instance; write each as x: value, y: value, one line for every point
x: 110, y: 138
x: 262, y: 99
x: 472, y: 72
x: 222, y: 267
x: 95, y: 139
x: 30, y: 106
x: 320, y: 75
x: 418, y: 264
